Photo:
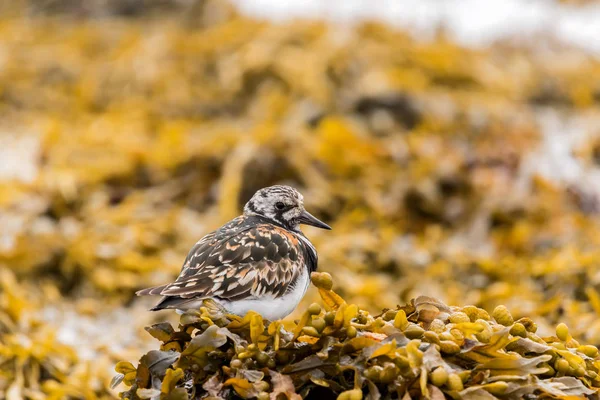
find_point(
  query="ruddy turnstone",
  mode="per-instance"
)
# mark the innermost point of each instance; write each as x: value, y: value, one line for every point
x: 259, y: 261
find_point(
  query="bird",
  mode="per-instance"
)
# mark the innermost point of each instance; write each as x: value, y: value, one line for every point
x: 259, y: 261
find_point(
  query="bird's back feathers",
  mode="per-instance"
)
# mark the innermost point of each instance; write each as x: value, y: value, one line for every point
x: 249, y: 257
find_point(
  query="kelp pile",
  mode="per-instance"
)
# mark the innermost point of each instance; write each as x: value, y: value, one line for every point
x: 435, y: 164
x: 465, y: 175
x: 33, y: 363
x: 424, y: 349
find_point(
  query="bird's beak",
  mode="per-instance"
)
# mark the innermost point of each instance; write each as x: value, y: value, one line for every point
x: 309, y: 219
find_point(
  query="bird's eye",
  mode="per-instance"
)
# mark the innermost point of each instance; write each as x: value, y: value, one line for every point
x: 280, y: 205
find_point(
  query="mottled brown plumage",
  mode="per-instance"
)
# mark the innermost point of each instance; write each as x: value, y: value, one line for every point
x: 252, y: 261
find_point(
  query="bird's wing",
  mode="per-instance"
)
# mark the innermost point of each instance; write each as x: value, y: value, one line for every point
x: 257, y: 260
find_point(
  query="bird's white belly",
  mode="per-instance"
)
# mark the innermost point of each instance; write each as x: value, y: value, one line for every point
x: 269, y: 307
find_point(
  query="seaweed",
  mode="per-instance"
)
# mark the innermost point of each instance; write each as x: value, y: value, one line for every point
x: 129, y: 132
x: 424, y: 349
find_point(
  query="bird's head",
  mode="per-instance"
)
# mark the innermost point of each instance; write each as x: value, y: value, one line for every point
x: 284, y: 205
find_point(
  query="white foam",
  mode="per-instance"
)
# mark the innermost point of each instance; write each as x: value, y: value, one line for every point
x: 473, y: 23
x: 19, y: 154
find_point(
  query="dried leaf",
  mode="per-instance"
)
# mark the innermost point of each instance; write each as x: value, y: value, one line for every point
x: 213, y: 337
x: 301, y: 324
x: 274, y: 330
x: 415, y: 356
x: 282, y: 384
x: 476, y: 393
x: 492, y: 350
x: 574, y: 360
x: 147, y: 393
x: 252, y: 376
x: 350, y: 313
x: 242, y: 387
x: 124, y: 367
x: 170, y: 380
x: 309, y: 363
x: 161, y: 331
x: 423, y: 383
x: 523, y: 345
x: 361, y: 342
x: 213, y: 386
x: 388, y: 350
x: 435, y: 393
x: 191, y: 317
x: 374, y: 393
x: 426, y: 313
x: 154, y: 363
x: 469, y: 329
x: 515, y: 366
x: 307, y: 339
x: 116, y: 380
x: 338, y: 321
x: 318, y: 378
x: 433, y: 359
x: 562, y: 387
x: 331, y: 300
x: 257, y: 327
x: 178, y: 394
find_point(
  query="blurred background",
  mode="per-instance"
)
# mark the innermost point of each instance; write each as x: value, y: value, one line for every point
x: 454, y: 147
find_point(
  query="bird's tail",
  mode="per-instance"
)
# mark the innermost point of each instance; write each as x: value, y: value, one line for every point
x: 153, y: 291
x: 180, y: 303
x: 167, y: 302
